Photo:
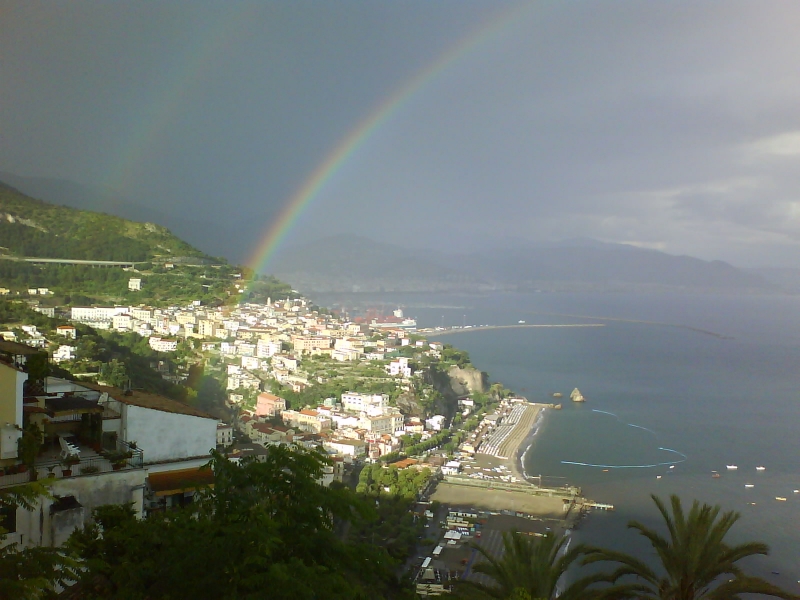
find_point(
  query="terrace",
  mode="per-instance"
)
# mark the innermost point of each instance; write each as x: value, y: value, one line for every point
x: 78, y: 438
x: 49, y: 463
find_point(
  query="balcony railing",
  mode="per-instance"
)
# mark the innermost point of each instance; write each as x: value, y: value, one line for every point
x: 90, y: 463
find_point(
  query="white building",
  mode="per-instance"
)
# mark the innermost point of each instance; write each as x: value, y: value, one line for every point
x: 436, y: 422
x: 370, y: 403
x: 451, y: 468
x: 382, y: 424
x: 400, y: 367
x: 251, y: 362
x: 95, y: 313
x: 68, y: 331
x: 162, y: 344
x: 224, y: 434
x: 352, y: 448
x: 122, y: 322
x: 63, y: 353
x: 173, y: 441
x: 267, y: 348
x: 134, y: 284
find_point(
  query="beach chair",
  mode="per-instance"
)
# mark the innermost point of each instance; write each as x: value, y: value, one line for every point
x: 67, y: 449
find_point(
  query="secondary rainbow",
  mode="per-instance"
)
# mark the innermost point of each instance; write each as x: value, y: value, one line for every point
x: 183, y: 71
x: 281, y: 226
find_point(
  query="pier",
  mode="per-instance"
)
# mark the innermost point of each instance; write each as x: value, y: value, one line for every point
x: 598, y: 505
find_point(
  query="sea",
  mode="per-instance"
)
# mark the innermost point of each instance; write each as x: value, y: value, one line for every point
x: 677, y: 387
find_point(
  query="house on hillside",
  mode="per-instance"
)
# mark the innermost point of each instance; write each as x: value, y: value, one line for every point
x: 123, y: 447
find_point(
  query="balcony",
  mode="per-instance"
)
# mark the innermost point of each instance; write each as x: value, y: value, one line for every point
x: 90, y: 462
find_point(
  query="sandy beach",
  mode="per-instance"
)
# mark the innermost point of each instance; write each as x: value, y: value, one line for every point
x: 497, y: 482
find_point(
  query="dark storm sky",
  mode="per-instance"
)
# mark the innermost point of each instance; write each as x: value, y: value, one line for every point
x: 671, y: 125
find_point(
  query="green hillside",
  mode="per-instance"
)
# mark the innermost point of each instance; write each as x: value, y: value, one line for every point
x: 30, y: 227
x: 172, y: 271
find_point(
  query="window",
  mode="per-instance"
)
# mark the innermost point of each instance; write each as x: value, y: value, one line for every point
x: 8, y: 519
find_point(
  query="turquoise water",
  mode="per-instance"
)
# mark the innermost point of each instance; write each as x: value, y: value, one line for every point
x: 658, y: 393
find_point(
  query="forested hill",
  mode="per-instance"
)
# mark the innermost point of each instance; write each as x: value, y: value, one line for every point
x: 170, y: 270
x: 32, y: 228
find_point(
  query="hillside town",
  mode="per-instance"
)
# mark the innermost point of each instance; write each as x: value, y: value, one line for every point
x: 99, y: 444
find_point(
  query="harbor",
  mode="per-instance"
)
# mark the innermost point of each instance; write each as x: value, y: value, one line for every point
x: 492, y: 476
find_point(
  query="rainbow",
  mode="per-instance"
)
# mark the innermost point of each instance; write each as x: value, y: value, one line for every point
x: 347, y: 146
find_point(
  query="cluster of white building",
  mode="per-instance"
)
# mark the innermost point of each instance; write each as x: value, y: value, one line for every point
x: 354, y: 425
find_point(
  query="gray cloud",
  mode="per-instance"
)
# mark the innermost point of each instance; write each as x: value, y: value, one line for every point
x: 671, y: 126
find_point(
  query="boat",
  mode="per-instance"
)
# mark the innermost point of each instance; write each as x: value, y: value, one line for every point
x: 576, y: 396
x: 672, y: 466
x: 521, y: 322
x: 732, y: 467
x: 761, y: 468
x: 658, y: 476
x: 780, y: 498
x: 749, y: 485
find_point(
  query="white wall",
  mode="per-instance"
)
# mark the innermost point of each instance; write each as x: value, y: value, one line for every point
x: 168, y: 436
x: 40, y: 528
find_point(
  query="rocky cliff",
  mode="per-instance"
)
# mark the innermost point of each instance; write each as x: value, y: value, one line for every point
x: 466, y: 381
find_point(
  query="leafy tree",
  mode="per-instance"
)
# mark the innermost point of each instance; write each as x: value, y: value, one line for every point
x: 264, y: 529
x: 695, y: 560
x: 114, y: 373
x: 530, y: 567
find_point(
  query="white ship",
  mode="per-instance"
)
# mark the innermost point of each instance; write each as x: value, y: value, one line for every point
x: 761, y: 468
x: 732, y: 467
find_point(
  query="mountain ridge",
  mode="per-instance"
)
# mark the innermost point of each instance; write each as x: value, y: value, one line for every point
x: 575, y: 265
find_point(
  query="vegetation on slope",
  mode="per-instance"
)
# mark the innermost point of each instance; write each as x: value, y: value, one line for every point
x: 173, y: 272
x: 30, y: 227
x: 264, y: 530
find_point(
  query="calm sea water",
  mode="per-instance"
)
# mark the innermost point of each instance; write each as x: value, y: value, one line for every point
x: 693, y: 382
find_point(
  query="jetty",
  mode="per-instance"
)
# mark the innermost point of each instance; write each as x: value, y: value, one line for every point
x: 598, y: 505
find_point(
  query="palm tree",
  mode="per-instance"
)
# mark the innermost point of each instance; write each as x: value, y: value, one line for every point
x: 696, y: 562
x: 530, y: 568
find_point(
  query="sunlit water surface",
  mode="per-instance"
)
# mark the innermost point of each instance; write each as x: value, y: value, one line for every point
x: 696, y: 383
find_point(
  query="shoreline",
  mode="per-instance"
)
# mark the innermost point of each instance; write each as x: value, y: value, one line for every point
x: 526, y: 445
x: 496, y: 481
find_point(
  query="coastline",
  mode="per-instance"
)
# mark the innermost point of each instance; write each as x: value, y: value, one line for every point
x: 497, y: 480
x: 526, y: 445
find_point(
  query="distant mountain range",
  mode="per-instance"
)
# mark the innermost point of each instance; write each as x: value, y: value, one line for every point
x: 347, y: 263
x: 357, y: 264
